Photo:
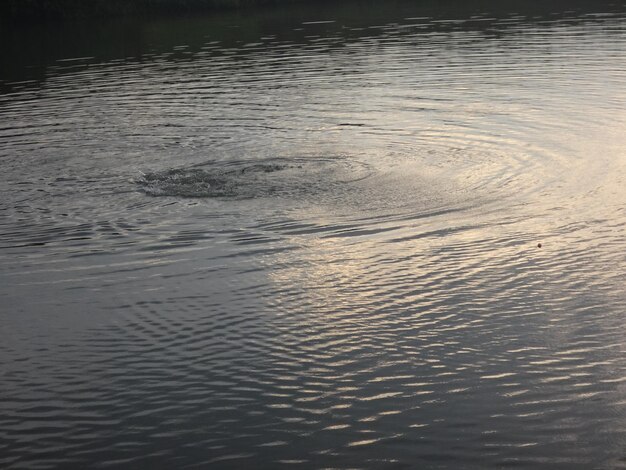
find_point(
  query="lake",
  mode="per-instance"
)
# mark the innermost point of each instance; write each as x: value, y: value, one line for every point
x: 343, y: 235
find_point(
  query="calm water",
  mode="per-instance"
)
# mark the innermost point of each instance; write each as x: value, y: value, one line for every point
x: 308, y: 238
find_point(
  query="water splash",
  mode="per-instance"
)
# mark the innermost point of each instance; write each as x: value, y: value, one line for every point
x: 249, y: 179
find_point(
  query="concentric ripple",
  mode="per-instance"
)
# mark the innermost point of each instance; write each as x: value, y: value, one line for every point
x: 327, y: 235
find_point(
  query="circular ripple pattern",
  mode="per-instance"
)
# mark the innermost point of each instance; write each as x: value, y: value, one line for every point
x: 384, y: 237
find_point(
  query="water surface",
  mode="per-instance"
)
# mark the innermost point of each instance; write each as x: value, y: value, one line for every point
x: 307, y: 237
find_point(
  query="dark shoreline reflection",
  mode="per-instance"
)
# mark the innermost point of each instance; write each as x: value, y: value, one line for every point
x: 31, y: 52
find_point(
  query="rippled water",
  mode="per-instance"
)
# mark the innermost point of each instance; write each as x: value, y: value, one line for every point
x: 307, y: 237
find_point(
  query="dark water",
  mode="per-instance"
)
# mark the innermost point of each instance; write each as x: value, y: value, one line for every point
x: 308, y: 238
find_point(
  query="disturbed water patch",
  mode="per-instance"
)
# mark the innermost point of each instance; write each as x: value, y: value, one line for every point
x: 252, y: 179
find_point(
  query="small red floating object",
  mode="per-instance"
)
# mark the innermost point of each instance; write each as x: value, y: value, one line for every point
x: 538, y: 245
